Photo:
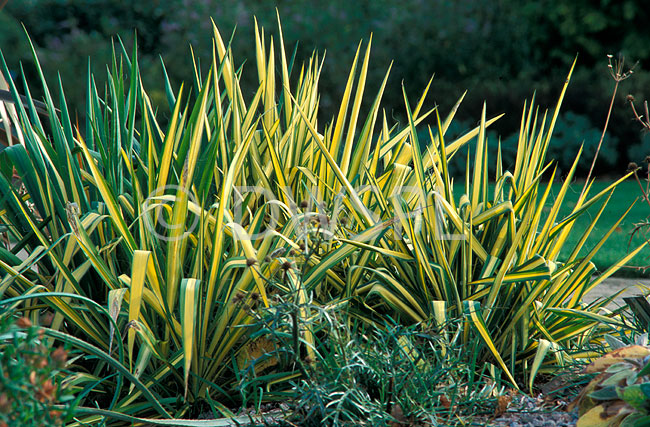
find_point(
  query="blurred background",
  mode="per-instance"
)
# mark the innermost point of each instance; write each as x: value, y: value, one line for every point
x: 501, y: 51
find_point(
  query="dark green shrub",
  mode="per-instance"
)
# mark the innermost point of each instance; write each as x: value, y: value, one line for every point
x: 571, y: 131
x: 638, y: 152
x: 31, y: 391
x: 522, y: 47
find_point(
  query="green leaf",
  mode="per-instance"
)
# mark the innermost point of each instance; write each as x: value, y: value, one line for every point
x: 609, y: 392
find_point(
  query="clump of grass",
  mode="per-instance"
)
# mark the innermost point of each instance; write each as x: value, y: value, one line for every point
x: 367, y: 375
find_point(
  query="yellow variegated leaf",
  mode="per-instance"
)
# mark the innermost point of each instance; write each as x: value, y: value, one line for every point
x: 471, y: 309
x: 141, y: 259
x: 189, y: 305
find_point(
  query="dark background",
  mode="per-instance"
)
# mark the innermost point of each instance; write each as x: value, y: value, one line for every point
x: 501, y: 51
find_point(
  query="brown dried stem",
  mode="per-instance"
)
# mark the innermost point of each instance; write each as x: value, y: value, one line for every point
x: 617, y: 73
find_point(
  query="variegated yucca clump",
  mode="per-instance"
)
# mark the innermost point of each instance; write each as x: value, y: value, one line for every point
x: 154, y: 237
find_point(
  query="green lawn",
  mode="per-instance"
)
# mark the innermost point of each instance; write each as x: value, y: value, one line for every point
x: 619, y: 243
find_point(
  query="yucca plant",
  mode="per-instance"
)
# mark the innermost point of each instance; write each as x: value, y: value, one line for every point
x: 90, y: 220
x: 169, y: 229
x: 491, y: 253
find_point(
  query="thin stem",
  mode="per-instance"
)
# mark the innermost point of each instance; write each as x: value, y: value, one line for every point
x: 646, y: 123
x: 645, y: 193
x: 647, y: 186
x: 602, y: 137
x: 636, y: 115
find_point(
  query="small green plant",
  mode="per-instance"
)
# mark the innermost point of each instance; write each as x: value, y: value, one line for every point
x: 374, y: 375
x: 32, y: 392
x: 391, y: 375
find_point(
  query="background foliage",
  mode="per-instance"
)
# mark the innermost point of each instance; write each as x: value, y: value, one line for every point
x: 522, y: 48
